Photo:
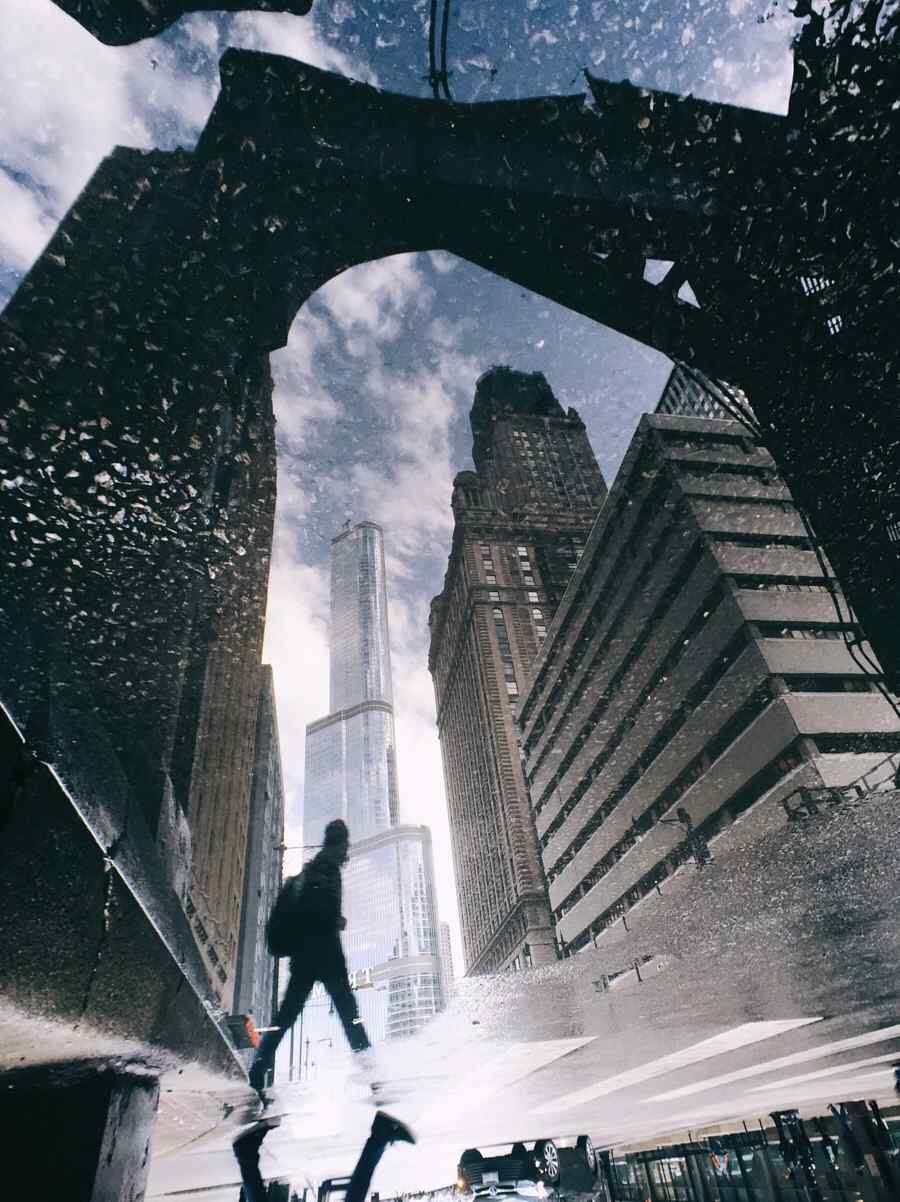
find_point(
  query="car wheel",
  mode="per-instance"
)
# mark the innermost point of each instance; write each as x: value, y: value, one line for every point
x: 586, y: 1148
x: 547, y: 1156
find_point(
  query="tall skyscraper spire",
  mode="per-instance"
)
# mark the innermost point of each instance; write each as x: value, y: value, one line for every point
x: 392, y: 936
x: 521, y: 519
x: 360, y: 660
x: 351, y: 765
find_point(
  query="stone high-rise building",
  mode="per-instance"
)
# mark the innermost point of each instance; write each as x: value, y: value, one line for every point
x: 223, y: 684
x: 690, y: 393
x: 521, y: 520
x: 140, y: 610
x: 351, y: 773
x: 256, y: 980
x: 697, y: 675
x: 448, y: 974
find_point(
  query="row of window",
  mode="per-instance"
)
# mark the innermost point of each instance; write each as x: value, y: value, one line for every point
x: 701, y: 763
x: 509, y: 672
x: 740, y: 801
x: 805, y: 630
x: 653, y: 750
x: 766, y: 542
x: 794, y: 682
x: 797, y: 683
x: 723, y: 470
x: 522, y: 562
x: 649, y: 628
x: 681, y: 643
x: 776, y: 583
x: 651, y: 504
x: 648, y: 466
x: 599, y: 612
x: 698, y: 441
x: 782, y: 584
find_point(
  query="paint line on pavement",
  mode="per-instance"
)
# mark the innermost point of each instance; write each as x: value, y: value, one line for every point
x: 805, y: 1057
x: 835, y: 1071
x: 726, y: 1041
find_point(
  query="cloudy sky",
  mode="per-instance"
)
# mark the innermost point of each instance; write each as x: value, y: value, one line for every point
x: 374, y: 386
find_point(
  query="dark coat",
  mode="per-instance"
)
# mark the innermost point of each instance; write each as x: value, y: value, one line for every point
x: 321, y: 905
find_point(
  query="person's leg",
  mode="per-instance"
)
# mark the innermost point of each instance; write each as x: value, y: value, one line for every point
x: 345, y: 1003
x: 334, y: 978
x: 246, y: 1150
x: 299, y: 987
x: 385, y: 1130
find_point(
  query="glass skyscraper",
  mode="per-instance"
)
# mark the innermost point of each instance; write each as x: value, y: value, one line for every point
x: 392, y: 936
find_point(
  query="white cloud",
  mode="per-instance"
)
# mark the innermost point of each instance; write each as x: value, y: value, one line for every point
x: 758, y: 72
x: 301, y: 399
x: 66, y: 99
x: 282, y: 33
x: 442, y: 262
x: 402, y: 480
x: 25, y: 229
x: 369, y: 302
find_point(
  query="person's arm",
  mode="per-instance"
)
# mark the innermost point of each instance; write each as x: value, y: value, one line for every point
x: 340, y: 921
x: 328, y: 895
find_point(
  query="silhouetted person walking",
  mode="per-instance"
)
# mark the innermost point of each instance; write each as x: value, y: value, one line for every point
x: 305, y: 924
x: 385, y: 1130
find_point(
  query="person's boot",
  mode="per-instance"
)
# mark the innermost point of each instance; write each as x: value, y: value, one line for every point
x: 368, y: 1072
x: 259, y: 1071
x: 388, y: 1130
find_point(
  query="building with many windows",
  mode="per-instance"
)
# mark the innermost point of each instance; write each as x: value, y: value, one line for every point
x: 448, y: 973
x: 351, y: 767
x: 690, y: 393
x: 256, y: 975
x: 391, y: 939
x: 521, y: 520
x: 700, y: 665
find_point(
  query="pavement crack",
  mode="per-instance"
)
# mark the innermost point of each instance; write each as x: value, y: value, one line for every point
x: 108, y: 888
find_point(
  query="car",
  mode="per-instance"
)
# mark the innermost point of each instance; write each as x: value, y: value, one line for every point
x: 333, y: 1189
x: 523, y: 1171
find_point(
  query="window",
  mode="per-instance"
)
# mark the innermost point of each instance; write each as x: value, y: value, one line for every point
x: 775, y: 630
x: 512, y: 688
x: 541, y: 631
x: 533, y: 597
x: 528, y: 579
x: 498, y: 613
x: 857, y: 744
x: 829, y: 684
x: 491, y: 578
x: 523, y: 552
x: 783, y: 584
x: 493, y: 596
x: 537, y: 613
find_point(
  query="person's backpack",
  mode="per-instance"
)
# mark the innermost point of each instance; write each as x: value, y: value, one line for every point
x: 304, y: 906
x: 286, y: 917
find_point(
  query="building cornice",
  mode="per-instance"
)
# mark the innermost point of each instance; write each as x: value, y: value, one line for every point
x: 343, y: 715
